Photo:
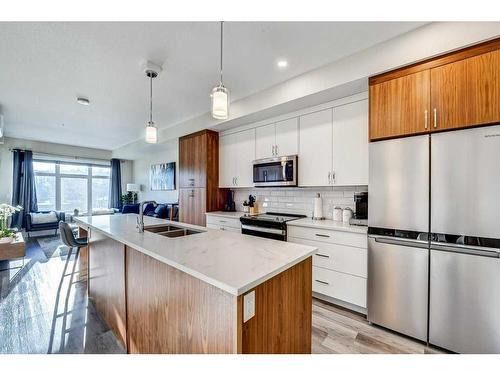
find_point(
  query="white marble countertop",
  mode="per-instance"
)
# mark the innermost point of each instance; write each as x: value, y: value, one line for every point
x: 230, y: 261
x: 227, y: 214
x: 327, y: 224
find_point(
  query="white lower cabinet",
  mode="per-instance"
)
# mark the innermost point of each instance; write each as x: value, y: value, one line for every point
x: 340, y: 264
x: 223, y: 223
x: 342, y: 286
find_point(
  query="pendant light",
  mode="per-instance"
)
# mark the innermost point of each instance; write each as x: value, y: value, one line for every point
x: 151, y: 129
x: 220, y: 95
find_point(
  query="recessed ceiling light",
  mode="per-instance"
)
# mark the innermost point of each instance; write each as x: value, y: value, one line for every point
x: 282, y: 64
x: 83, y: 101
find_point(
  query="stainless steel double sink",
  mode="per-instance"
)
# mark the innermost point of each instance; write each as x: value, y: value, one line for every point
x: 171, y: 231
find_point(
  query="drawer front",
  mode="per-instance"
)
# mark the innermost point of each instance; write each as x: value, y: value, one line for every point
x: 347, y: 259
x: 348, y: 288
x: 217, y: 220
x: 223, y: 227
x: 330, y: 236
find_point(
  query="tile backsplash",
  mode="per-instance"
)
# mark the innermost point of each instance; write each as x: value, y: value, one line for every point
x: 298, y: 200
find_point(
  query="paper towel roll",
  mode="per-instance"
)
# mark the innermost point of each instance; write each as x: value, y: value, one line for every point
x: 318, y: 207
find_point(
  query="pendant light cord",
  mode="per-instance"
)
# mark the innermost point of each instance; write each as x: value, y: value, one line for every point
x: 151, y: 98
x: 221, y: 48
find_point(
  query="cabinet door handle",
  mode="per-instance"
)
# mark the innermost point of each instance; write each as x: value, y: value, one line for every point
x: 191, y: 182
x: 333, y: 177
x: 322, y: 255
x: 233, y: 182
x: 322, y: 235
x: 329, y: 178
x: 191, y: 195
x: 322, y: 282
x: 236, y: 181
x: 222, y: 221
x: 435, y: 118
x: 276, y: 148
x: 426, y: 115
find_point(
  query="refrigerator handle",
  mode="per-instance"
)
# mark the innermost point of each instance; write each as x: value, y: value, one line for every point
x: 402, y: 242
x: 466, y: 250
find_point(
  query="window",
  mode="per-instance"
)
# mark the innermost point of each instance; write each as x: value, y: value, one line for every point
x: 66, y: 186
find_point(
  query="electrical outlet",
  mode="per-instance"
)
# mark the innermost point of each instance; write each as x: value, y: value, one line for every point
x: 248, y: 306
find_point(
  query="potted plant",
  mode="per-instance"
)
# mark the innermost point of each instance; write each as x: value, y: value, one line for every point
x: 6, y: 211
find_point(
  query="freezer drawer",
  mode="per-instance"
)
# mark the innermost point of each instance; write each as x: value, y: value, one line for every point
x: 398, y: 188
x: 465, y: 302
x: 398, y: 285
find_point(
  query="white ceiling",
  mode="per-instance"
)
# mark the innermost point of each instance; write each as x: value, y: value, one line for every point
x: 45, y: 66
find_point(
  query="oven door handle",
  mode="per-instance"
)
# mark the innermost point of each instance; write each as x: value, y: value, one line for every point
x: 281, y: 232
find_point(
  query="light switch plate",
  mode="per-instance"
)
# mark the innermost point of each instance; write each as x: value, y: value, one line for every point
x: 248, y: 306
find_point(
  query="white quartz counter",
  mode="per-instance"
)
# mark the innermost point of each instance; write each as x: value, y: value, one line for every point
x: 327, y: 224
x: 230, y: 261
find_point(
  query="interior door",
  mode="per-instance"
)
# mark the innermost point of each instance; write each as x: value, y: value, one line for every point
x: 287, y: 137
x: 398, y: 187
x: 265, y: 140
x: 227, y: 160
x: 350, y: 144
x: 449, y: 96
x: 244, y: 154
x: 398, y: 106
x: 315, y: 149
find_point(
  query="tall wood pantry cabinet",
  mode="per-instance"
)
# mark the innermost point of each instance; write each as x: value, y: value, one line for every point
x: 199, y: 176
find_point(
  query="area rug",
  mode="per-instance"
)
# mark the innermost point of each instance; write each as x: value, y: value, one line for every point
x: 52, y: 246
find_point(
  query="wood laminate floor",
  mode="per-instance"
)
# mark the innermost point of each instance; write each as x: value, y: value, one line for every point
x: 43, y: 309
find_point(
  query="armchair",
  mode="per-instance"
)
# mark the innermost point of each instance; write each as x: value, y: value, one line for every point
x: 32, y: 225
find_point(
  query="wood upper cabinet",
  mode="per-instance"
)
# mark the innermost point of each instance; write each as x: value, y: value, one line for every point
x: 448, y: 96
x: 398, y: 106
x: 459, y: 89
x: 483, y: 88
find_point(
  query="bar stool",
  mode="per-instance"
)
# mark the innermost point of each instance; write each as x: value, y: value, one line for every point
x: 69, y: 239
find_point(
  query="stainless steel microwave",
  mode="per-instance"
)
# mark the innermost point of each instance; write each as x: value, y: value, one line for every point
x: 279, y: 171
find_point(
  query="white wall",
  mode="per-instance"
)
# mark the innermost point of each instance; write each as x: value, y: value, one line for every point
x: 344, y: 77
x: 40, y: 147
x: 142, y: 156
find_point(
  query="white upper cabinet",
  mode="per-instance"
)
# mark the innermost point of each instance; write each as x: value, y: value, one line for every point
x: 315, y: 150
x: 280, y: 139
x: 350, y: 144
x: 265, y: 141
x: 244, y: 155
x: 287, y: 137
x: 236, y: 153
x: 227, y: 161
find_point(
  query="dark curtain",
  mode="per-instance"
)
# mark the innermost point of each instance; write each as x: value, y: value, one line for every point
x: 116, y: 185
x: 23, y: 186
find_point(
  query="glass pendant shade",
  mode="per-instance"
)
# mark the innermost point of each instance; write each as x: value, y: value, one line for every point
x: 151, y: 133
x: 220, y: 103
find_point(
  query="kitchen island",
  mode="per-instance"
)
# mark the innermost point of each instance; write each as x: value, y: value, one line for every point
x: 179, y: 288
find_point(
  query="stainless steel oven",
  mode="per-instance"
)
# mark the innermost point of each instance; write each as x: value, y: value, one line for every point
x: 279, y: 171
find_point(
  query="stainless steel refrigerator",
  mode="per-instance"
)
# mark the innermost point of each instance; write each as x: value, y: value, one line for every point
x: 434, y: 230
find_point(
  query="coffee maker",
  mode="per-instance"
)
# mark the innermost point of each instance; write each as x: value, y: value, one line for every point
x: 361, y: 209
x: 229, y: 204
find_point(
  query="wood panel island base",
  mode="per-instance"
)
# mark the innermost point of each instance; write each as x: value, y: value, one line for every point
x: 186, y: 294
